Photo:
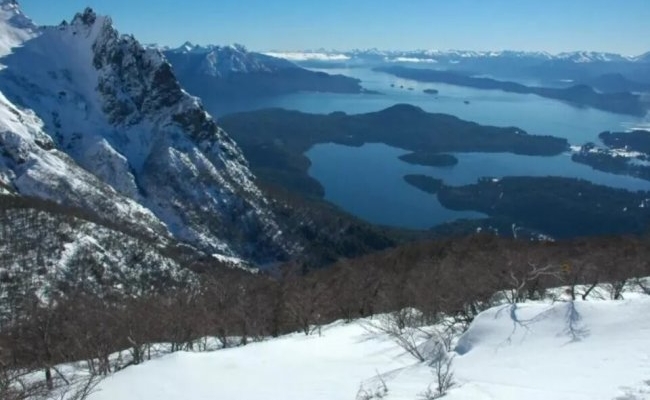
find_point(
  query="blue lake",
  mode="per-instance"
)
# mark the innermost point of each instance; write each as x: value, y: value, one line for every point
x: 534, y: 114
x: 368, y: 181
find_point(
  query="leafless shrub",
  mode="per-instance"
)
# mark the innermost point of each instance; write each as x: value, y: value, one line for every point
x: 441, y: 365
x: 397, y: 325
x: 23, y: 385
x: 428, y: 394
x: 379, y: 392
x: 615, y: 288
x: 643, y: 285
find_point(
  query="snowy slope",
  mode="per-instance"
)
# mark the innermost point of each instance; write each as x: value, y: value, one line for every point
x: 19, y: 30
x: 117, y: 111
x: 595, y: 353
x: 602, y: 351
x: 31, y: 164
x: 293, y: 367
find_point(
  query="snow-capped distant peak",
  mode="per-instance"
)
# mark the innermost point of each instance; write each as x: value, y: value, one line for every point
x: 221, y: 61
x: 645, y: 57
x: 9, y: 4
x: 588, y: 56
x: 188, y: 47
x: 308, y: 56
x: 453, y: 56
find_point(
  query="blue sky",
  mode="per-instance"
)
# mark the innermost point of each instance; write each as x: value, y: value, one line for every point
x: 621, y: 26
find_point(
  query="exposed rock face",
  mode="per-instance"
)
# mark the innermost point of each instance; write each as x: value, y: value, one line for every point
x: 119, y: 125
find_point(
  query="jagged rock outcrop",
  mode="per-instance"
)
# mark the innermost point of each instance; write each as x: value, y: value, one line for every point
x: 113, y: 132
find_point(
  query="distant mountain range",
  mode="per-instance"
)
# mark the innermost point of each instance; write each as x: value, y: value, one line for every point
x: 442, y: 56
x: 560, y: 69
x: 233, y: 72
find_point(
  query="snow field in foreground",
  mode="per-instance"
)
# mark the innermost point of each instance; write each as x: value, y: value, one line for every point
x: 597, y: 350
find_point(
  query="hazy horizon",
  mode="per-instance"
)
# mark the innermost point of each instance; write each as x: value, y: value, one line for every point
x: 553, y: 26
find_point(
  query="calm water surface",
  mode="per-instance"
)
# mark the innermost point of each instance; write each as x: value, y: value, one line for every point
x: 368, y: 181
x: 534, y: 114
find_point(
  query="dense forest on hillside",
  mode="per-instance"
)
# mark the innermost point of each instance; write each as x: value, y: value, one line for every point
x: 560, y: 207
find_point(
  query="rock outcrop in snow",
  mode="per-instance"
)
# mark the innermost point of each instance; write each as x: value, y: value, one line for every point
x: 92, y: 119
x: 17, y: 29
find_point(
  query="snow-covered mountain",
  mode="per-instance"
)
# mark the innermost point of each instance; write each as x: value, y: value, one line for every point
x: 219, y: 74
x: 90, y: 118
x: 448, y: 55
x: 221, y: 61
x: 525, y: 66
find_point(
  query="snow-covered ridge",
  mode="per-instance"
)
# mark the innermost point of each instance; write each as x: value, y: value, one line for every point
x: 308, y: 56
x: 103, y: 102
x: 189, y: 47
x: 220, y: 61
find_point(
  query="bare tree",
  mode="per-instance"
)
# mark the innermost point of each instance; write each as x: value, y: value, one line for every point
x: 402, y: 328
x: 441, y: 365
x: 521, y: 281
x: 304, y: 299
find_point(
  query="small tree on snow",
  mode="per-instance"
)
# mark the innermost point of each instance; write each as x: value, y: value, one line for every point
x: 441, y: 366
x: 402, y: 328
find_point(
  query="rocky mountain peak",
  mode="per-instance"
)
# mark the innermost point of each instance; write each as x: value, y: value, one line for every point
x: 13, y: 14
x: 9, y: 4
x: 117, y: 110
x: 87, y: 17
